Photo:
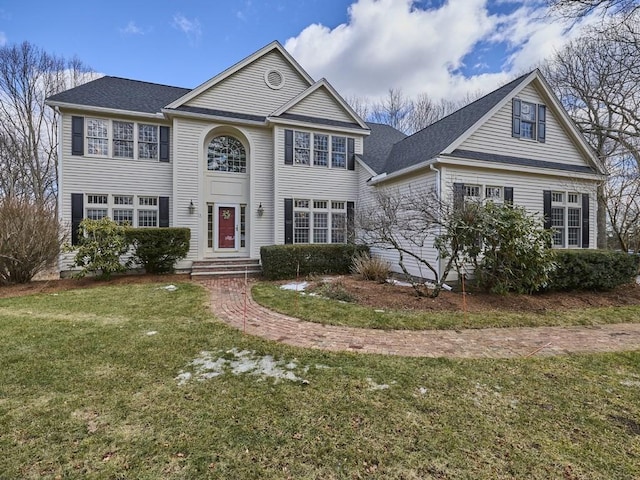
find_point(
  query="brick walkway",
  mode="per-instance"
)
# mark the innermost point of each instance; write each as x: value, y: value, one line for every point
x: 227, y: 303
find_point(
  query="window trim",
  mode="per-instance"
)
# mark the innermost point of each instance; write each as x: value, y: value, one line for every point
x: 561, y: 200
x: 111, y: 139
x: 333, y: 209
x: 330, y: 164
x: 135, y: 207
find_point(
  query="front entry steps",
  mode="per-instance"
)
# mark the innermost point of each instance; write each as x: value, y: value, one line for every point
x: 226, y: 268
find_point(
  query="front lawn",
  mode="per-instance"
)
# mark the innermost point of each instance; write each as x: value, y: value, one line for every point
x: 407, y: 312
x: 136, y: 381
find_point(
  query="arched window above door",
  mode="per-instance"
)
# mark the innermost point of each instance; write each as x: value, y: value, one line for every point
x: 226, y: 154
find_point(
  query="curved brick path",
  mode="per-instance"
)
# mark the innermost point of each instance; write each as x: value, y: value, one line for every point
x: 227, y: 303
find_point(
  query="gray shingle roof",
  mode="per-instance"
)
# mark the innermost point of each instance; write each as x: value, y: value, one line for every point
x: 432, y: 140
x: 378, y: 145
x: 121, y: 94
x: 219, y: 113
x: 319, y: 121
x: 527, y: 162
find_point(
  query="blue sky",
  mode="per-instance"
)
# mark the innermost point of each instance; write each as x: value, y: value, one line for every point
x: 363, y: 47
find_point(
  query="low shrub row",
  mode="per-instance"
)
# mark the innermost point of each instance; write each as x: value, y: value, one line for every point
x: 103, y: 243
x: 288, y: 261
x: 592, y: 269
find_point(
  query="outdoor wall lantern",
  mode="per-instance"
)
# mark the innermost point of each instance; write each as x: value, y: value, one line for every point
x: 260, y: 210
x: 192, y: 208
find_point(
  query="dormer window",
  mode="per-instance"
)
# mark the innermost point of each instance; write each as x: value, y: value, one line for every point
x: 529, y: 120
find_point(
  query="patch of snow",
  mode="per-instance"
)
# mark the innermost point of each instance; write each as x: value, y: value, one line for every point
x: 152, y: 332
x: 630, y: 383
x: 379, y: 311
x: 446, y: 287
x: 170, y: 288
x: 243, y: 362
x: 398, y: 283
x: 376, y: 386
x: 297, y: 286
x: 422, y: 390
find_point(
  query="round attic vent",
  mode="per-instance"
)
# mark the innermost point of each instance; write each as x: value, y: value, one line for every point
x: 274, y: 79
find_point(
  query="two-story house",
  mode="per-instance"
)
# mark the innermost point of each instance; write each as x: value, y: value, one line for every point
x: 262, y: 154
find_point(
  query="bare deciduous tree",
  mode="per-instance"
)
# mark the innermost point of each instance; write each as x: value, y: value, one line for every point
x: 582, y: 8
x: 598, y: 81
x: 28, y: 128
x: 407, y: 223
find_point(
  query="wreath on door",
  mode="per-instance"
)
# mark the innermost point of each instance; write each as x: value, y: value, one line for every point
x: 226, y: 214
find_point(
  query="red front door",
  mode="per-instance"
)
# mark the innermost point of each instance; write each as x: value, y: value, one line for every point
x: 227, y: 227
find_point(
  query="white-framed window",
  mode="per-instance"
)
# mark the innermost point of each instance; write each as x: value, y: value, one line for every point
x: 226, y: 154
x: 148, y: 141
x: 301, y: 148
x: 140, y: 211
x: 319, y: 221
x: 338, y: 152
x: 122, y: 139
x: 97, y: 137
x: 528, y: 120
x: 493, y: 193
x: 319, y: 149
x: 472, y: 192
x: 566, y: 219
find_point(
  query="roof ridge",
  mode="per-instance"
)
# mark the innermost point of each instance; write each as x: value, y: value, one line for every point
x: 143, y: 81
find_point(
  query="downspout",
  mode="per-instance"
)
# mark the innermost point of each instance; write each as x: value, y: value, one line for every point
x: 438, y: 196
x: 59, y: 215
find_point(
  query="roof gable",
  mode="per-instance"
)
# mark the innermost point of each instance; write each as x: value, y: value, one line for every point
x: 449, y: 134
x: 247, y: 87
x: 320, y: 101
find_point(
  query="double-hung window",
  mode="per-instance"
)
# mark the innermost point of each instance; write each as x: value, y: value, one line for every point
x: 338, y: 152
x: 148, y: 141
x: 566, y: 219
x: 302, y: 148
x: 320, y: 149
x: 319, y: 221
x: 528, y: 121
x: 123, y: 139
x: 97, y: 137
x: 97, y: 206
x: 148, y: 212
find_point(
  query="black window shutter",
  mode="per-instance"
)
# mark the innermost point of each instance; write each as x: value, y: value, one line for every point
x: 542, y: 123
x: 546, y: 208
x: 515, y: 129
x: 77, y: 214
x: 458, y: 195
x: 351, y: 222
x: 77, y: 135
x: 288, y: 147
x: 288, y: 220
x: 508, y: 195
x: 351, y: 156
x: 163, y: 211
x: 164, y: 144
x: 585, y: 220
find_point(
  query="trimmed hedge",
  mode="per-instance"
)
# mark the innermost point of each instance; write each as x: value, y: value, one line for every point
x: 593, y: 269
x: 281, y: 261
x: 158, y: 249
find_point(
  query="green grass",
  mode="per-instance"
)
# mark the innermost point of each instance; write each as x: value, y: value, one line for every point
x: 86, y: 392
x: 332, y: 312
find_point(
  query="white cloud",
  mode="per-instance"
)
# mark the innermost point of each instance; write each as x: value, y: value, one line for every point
x: 399, y: 44
x: 132, y: 29
x: 3, y: 39
x: 191, y: 28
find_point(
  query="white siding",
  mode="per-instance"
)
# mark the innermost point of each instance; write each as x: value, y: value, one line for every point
x: 321, y: 104
x: 195, y: 183
x: 104, y: 175
x: 309, y: 182
x: 527, y: 188
x: 494, y: 136
x: 424, y: 182
x: 246, y: 91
